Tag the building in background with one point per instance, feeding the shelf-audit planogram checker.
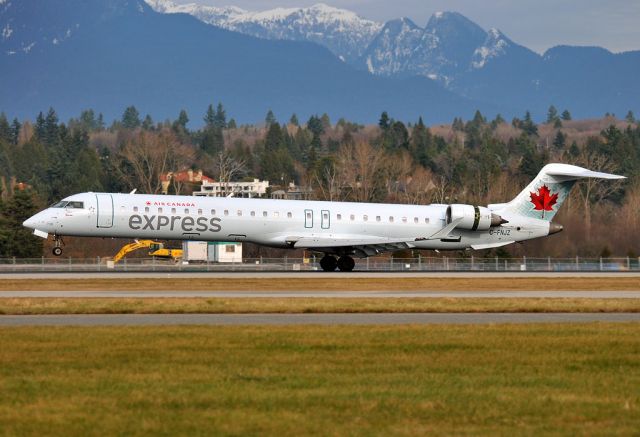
(293, 192)
(255, 188)
(183, 182)
(211, 251)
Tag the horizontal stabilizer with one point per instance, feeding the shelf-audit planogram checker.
(572, 171)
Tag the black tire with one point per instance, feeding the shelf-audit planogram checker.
(57, 251)
(346, 264)
(328, 263)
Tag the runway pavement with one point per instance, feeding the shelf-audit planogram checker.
(324, 294)
(313, 319)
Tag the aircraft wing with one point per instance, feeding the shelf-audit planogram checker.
(361, 246)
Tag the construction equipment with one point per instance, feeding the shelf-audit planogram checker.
(156, 249)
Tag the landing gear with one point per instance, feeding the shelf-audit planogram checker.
(57, 250)
(346, 263)
(328, 263)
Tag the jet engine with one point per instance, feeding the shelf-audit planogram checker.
(474, 218)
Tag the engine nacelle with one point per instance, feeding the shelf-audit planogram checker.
(474, 218)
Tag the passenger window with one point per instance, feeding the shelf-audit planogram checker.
(239, 213)
(226, 212)
(289, 215)
(199, 212)
(391, 219)
(253, 213)
(404, 219)
(365, 217)
(213, 212)
(415, 220)
(339, 216)
(146, 209)
(186, 210)
(173, 210)
(352, 217)
(378, 218)
(159, 210)
(135, 209)
(276, 214)
(426, 220)
(264, 213)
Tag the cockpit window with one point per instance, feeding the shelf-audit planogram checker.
(60, 204)
(76, 205)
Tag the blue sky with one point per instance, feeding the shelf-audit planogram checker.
(539, 24)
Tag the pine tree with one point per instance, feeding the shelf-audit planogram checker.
(560, 140)
(421, 144)
(294, 120)
(557, 124)
(273, 140)
(21, 244)
(100, 122)
(270, 118)
(552, 114)
(15, 131)
(220, 118)
(385, 121)
(131, 118)
(51, 128)
(210, 116)
(5, 128)
(232, 124)
(566, 115)
(181, 123)
(40, 131)
(630, 117)
(528, 125)
(147, 123)
(326, 122)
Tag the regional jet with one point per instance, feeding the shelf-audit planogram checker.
(339, 230)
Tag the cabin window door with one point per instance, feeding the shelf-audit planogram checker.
(308, 218)
(105, 210)
(325, 219)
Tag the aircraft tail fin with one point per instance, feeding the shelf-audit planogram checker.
(544, 196)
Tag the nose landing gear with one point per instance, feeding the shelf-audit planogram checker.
(57, 242)
(344, 263)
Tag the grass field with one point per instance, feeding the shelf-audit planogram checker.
(405, 380)
(23, 306)
(319, 283)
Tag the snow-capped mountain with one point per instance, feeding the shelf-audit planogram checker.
(341, 31)
(449, 46)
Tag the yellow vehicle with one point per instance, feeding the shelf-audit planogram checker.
(156, 249)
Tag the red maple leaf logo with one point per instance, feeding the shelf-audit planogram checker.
(543, 200)
(148, 202)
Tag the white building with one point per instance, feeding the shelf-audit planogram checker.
(256, 188)
(216, 252)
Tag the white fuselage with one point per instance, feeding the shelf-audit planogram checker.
(275, 223)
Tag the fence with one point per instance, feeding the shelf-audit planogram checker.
(421, 264)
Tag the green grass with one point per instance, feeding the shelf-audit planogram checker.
(404, 380)
(149, 305)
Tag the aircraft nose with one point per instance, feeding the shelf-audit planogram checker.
(30, 223)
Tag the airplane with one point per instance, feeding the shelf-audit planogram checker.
(339, 230)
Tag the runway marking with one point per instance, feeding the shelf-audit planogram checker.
(314, 319)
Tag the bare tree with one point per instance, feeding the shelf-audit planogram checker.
(359, 168)
(594, 190)
(418, 187)
(328, 183)
(146, 156)
(227, 168)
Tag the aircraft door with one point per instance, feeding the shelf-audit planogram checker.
(325, 219)
(105, 210)
(308, 218)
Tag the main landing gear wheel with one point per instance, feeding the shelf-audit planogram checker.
(346, 263)
(328, 263)
(57, 251)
